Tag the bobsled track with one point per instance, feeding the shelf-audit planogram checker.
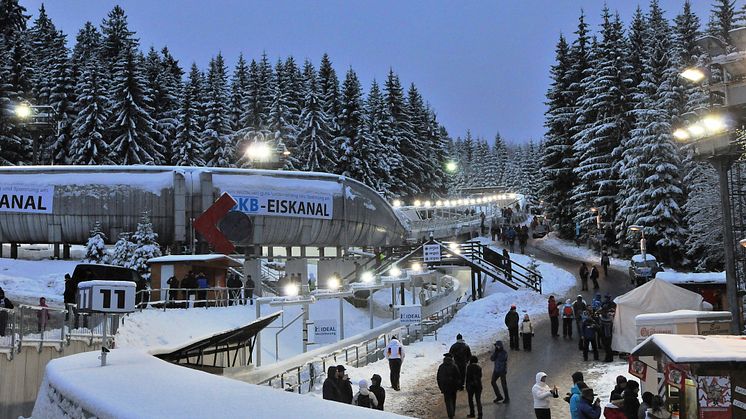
(61, 204)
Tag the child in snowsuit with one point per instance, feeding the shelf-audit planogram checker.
(527, 332)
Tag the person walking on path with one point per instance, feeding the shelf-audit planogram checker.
(461, 355)
(511, 321)
(344, 385)
(605, 262)
(364, 397)
(588, 408)
(474, 386)
(377, 389)
(542, 394)
(395, 355)
(606, 329)
(330, 391)
(448, 383)
(511, 238)
(583, 276)
(527, 332)
(523, 239)
(4, 303)
(590, 331)
(579, 307)
(568, 317)
(500, 371)
(594, 277)
(553, 309)
(42, 316)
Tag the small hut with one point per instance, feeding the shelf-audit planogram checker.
(214, 266)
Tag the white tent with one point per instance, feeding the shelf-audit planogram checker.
(656, 296)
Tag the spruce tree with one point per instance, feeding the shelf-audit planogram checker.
(239, 89)
(121, 254)
(62, 99)
(117, 40)
(358, 159)
(499, 160)
(294, 83)
(379, 128)
(163, 87)
(146, 247)
(87, 47)
(328, 85)
(95, 248)
(187, 148)
(408, 146)
(217, 136)
(280, 116)
(722, 19)
(42, 39)
(314, 152)
(704, 217)
(253, 113)
(89, 128)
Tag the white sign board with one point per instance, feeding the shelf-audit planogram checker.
(410, 314)
(106, 296)
(284, 204)
(326, 331)
(431, 253)
(26, 198)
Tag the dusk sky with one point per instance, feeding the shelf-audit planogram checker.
(483, 65)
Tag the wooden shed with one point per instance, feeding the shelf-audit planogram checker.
(214, 266)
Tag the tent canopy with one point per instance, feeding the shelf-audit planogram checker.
(656, 296)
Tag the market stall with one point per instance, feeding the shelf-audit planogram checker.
(699, 377)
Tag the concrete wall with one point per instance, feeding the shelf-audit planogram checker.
(21, 377)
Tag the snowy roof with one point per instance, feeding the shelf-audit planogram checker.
(195, 258)
(690, 348)
(119, 390)
(692, 277)
(673, 316)
(640, 258)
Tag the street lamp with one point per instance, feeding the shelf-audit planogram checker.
(451, 166)
(394, 271)
(332, 283)
(292, 289)
(23, 110)
(694, 75)
(643, 242)
(367, 277)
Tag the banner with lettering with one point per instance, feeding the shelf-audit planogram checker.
(26, 198)
(284, 203)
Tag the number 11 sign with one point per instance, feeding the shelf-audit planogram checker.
(106, 296)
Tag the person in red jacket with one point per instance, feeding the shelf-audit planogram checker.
(553, 310)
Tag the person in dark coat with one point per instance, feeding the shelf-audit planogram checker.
(330, 391)
(511, 321)
(583, 276)
(523, 239)
(461, 354)
(448, 383)
(507, 265)
(553, 309)
(578, 308)
(605, 263)
(69, 295)
(594, 277)
(234, 286)
(4, 303)
(605, 330)
(474, 386)
(631, 402)
(377, 389)
(588, 408)
(344, 385)
(500, 371)
(249, 288)
(173, 285)
(590, 332)
(621, 384)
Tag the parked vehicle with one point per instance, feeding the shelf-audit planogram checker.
(100, 272)
(643, 268)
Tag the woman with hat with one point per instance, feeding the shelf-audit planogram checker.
(588, 408)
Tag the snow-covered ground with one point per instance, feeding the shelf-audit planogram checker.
(137, 385)
(553, 244)
(478, 322)
(27, 280)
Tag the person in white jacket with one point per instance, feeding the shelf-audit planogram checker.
(395, 355)
(364, 397)
(542, 395)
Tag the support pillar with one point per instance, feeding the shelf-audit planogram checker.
(14, 250)
(258, 340)
(341, 318)
(401, 291)
(56, 250)
(66, 251)
(473, 284)
(306, 317)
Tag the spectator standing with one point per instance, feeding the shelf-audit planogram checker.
(344, 385)
(461, 355)
(330, 391)
(249, 288)
(606, 329)
(42, 316)
(567, 319)
(474, 386)
(234, 288)
(553, 309)
(657, 409)
(605, 262)
(594, 277)
(590, 332)
(583, 276)
(647, 400)
(578, 308)
(588, 408)
(377, 389)
(542, 393)
(511, 238)
(190, 283)
(448, 383)
(507, 265)
(494, 230)
(4, 303)
(631, 402)
(527, 332)
(500, 371)
(364, 397)
(618, 392)
(576, 393)
(523, 239)
(173, 285)
(202, 286)
(69, 296)
(395, 355)
(511, 321)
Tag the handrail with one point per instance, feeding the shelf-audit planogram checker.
(531, 278)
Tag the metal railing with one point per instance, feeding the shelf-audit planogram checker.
(518, 273)
(192, 297)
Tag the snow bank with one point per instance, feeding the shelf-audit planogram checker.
(692, 277)
(137, 385)
(552, 244)
(602, 378)
(25, 280)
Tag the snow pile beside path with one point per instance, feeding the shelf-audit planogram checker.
(552, 244)
(479, 322)
(26, 280)
(602, 378)
(692, 277)
(137, 385)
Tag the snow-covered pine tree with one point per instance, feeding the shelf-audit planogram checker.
(532, 172)
(314, 152)
(359, 159)
(329, 98)
(722, 19)
(124, 248)
(131, 132)
(217, 136)
(499, 160)
(42, 37)
(408, 146)
(163, 90)
(261, 79)
(651, 185)
(239, 87)
(427, 141)
(89, 127)
(704, 217)
(379, 129)
(557, 154)
(117, 39)
(280, 117)
(87, 47)
(294, 82)
(62, 99)
(146, 247)
(438, 139)
(253, 113)
(95, 248)
(188, 150)
(480, 166)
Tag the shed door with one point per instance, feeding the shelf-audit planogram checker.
(167, 271)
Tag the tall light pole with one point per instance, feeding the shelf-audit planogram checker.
(39, 120)
(643, 242)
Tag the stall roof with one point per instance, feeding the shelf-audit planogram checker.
(692, 277)
(196, 258)
(692, 348)
(686, 315)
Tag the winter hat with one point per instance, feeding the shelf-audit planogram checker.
(340, 368)
(512, 307)
(363, 385)
(577, 376)
(447, 355)
(459, 337)
(588, 393)
(375, 379)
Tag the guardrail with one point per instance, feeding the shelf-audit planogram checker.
(192, 297)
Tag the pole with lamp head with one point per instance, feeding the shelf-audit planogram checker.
(643, 242)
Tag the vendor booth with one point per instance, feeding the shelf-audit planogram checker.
(655, 296)
(710, 285)
(699, 377)
(214, 266)
(683, 322)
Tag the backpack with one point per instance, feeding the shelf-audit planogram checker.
(567, 311)
(363, 401)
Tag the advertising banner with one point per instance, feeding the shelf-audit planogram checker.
(410, 314)
(431, 253)
(714, 397)
(326, 331)
(284, 204)
(637, 368)
(26, 198)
